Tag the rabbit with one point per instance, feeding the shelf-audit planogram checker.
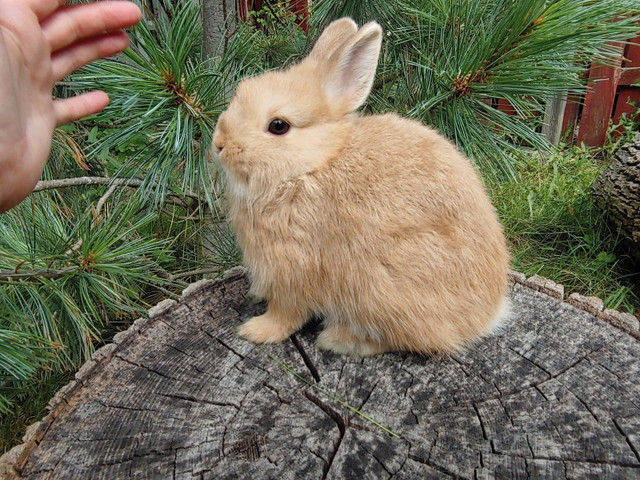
(375, 223)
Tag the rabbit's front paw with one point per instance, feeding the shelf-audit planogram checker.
(267, 328)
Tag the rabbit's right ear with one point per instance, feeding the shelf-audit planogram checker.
(348, 74)
(333, 37)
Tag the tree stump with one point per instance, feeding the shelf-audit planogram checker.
(617, 191)
(180, 396)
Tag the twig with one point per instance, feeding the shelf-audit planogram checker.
(75, 248)
(202, 271)
(51, 274)
(173, 215)
(110, 181)
(104, 198)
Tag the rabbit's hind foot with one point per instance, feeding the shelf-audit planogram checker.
(339, 339)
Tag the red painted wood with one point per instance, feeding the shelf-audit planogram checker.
(505, 107)
(598, 103)
(301, 9)
(631, 65)
(626, 95)
(244, 8)
(633, 53)
(571, 112)
(629, 76)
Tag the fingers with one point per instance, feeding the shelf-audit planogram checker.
(71, 109)
(44, 8)
(65, 61)
(74, 23)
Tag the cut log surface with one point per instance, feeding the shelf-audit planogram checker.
(556, 394)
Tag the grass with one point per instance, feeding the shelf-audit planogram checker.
(555, 230)
(31, 409)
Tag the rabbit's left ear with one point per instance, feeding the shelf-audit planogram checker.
(351, 70)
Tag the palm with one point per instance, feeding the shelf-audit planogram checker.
(40, 44)
(27, 79)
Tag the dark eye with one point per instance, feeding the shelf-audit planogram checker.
(278, 127)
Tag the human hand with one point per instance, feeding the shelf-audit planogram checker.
(41, 42)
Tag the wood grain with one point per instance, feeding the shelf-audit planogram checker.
(617, 192)
(554, 395)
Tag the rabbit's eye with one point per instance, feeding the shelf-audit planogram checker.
(278, 127)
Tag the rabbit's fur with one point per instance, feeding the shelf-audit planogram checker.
(376, 223)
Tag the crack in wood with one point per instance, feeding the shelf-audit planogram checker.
(132, 409)
(570, 460)
(159, 320)
(627, 439)
(146, 367)
(224, 344)
(173, 347)
(375, 457)
(192, 399)
(369, 393)
(306, 359)
(276, 392)
(340, 422)
(435, 466)
(484, 431)
(527, 359)
(249, 448)
(585, 405)
(404, 460)
(526, 437)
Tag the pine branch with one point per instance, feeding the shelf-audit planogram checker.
(202, 271)
(110, 181)
(48, 273)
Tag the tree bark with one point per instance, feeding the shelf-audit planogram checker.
(218, 20)
(617, 191)
(179, 395)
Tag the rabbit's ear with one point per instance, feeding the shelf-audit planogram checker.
(351, 69)
(333, 37)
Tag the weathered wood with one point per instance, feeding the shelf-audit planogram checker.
(554, 119)
(617, 191)
(555, 395)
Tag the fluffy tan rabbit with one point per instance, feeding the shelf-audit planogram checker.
(376, 223)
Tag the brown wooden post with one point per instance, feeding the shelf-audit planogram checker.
(629, 76)
(301, 9)
(570, 119)
(599, 101)
(505, 107)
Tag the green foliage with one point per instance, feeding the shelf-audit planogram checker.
(447, 62)
(64, 273)
(555, 230)
(164, 102)
(34, 396)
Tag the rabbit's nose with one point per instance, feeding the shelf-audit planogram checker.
(218, 142)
